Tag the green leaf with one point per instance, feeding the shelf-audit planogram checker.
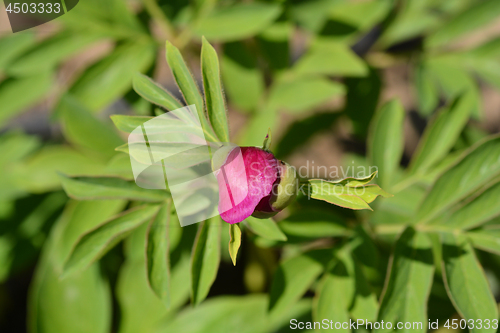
(370, 192)
(344, 196)
(303, 93)
(152, 92)
(238, 21)
(19, 94)
(15, 146)
(344, 291)
(334, 296)
(331, 58)
(484, 61)
(218, 315)
(13, 45)
(476, 169)
(40, 173)
(157, 254)
(360, 15)
(83, 129)
(114, 19)
(128, 123)
(214, 98)
(409, 282)
(85, 217)
(46, 55)
(452, 77)
(187, 84)
(472, 18)
(293, 278)
(243, 80)
(62, 306)
(354, 182)
(466, 283)
(441, 134)
(110, 78)
(94, 244)
(487, 239)
(265, 228)
(310, 223)
(386, 141)
(105, 188)
(133, 287)
(56, 305)
(427, 90)
(160, 125)
(274, 44)
(234, 241)
(205, 259)
(258, 126)
(312, 15)
(478, 211)
(399, 210)
(365, 305)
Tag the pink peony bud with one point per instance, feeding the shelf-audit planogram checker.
(249, 184)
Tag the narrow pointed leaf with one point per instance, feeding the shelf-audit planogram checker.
(303, 93)
(243, 79)
(486, 239)
(441, 134)
(293, 278)
(214, 97)
(157, 254)
(386, 141)
(476, 169)
(409, 282)
(480, 210)
(365, 304)
(328, 56)
(478, 15)
(128, 123)
(105, 188)
(93, 245)
(339, 195)
(265, 228)
(205, 259)
(370, 192)
(111, 77)
(187, 84)
(234, 241)
(238, 21)
(334, 296)
(19, 94)
(82, 128)
(152, 92)
(466, 283)
(354, 182)
(313, 223)
(56, 305)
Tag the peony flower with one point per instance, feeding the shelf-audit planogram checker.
(252, 182)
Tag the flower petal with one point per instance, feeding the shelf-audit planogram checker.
(246, 177)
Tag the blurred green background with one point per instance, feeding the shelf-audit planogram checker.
(314, 71)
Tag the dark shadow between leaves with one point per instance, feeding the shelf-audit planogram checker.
(301, 131)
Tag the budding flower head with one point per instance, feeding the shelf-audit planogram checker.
(252, 182)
